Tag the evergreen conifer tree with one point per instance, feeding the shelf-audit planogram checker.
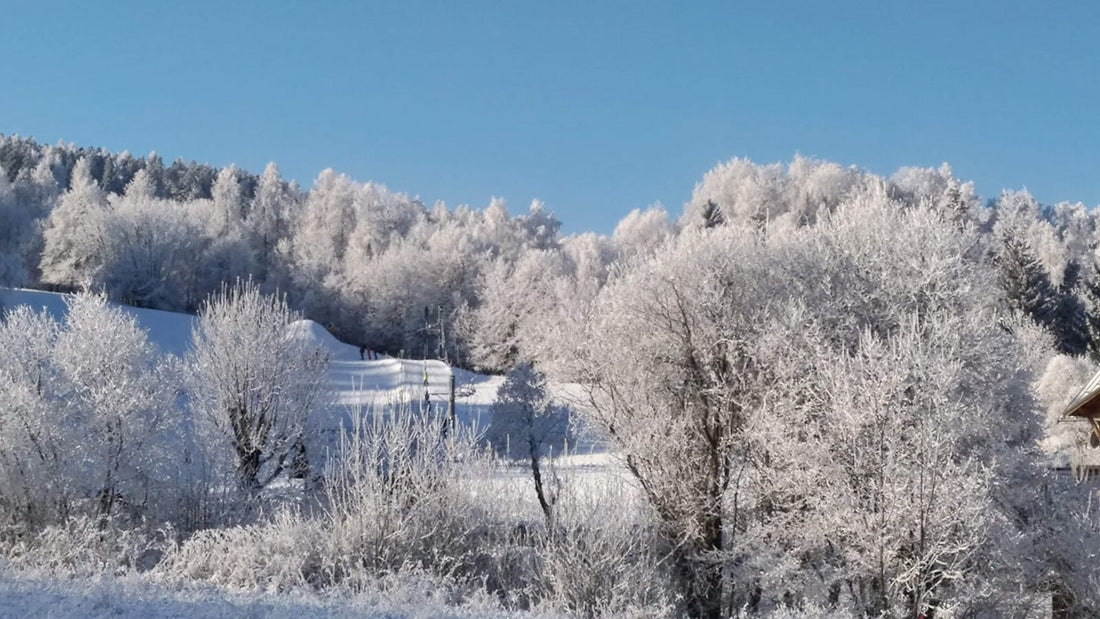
(1025, 284)
(1070, 330)
(1089, 291)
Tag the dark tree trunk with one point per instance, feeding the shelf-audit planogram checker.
(536, 472)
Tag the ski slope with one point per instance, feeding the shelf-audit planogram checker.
(365, 384)
(358, 384)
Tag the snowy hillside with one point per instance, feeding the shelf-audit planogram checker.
(364, 383)
(356, 382)
(170, 331)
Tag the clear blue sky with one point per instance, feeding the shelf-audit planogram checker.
(594, 107)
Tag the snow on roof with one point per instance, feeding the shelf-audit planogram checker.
(1084, 398)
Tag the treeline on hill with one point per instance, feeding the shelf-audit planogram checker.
(383, 269)
(828, 386)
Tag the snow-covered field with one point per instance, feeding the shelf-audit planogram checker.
(358, 385)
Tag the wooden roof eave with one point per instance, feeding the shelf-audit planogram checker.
(1088, 408)
(1086, 404)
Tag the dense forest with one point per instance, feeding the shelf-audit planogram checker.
(829, 387)
(462, 284)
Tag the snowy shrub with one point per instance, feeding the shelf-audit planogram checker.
(397, 507)
(280, 555)
(805, 611)
(602, 555)
(397, 497)
(91, 547)
(86, 415)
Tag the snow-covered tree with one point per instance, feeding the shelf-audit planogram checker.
(76, 233)
(253, 382)
(758, 382)
(37, 189)
(32, 468)
(1069, 318)
(85, 414)
(641, 233)
(15, 228)
(938, 188)
(526, 424)
(591, 256)
(514, 317)
(115, 388)
(320, 237)
(227, 254)
(151, 250)
(268, 219)
(381, 219)
(143, 186)
(228, 203)
(1089, 295)
(742, 192)
(1026, 287)
(540, 226)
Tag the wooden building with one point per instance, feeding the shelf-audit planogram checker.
(1087, 406)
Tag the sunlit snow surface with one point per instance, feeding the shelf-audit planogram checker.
(170, 331)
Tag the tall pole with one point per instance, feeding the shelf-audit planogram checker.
(452, 400)
(442, 336)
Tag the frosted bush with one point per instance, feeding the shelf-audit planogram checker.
(397, 494)
(602, 555)
(91, 547)
(283, 554)
(85, 416)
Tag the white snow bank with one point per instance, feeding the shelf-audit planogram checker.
(316, 335)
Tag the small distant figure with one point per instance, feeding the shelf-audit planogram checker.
(362, 352)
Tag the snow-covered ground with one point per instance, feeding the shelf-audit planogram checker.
(170, 331)
(32, 595)
(357, 383)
